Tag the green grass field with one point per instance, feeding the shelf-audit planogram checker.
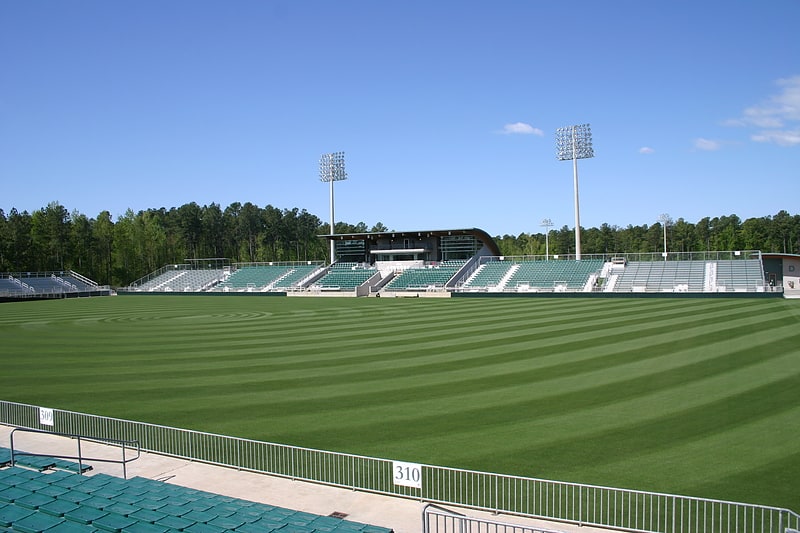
(698, 397)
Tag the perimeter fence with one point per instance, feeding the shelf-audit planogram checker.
(608, 507)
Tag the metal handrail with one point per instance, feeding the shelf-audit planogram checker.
(449, 521)
(124, 444)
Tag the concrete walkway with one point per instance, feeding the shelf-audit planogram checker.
(401, 515)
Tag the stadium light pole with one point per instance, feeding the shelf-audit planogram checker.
(331, 168)
(575, 142)
(665, 220)
(547, 224)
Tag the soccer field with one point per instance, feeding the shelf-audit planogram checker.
(689, 396)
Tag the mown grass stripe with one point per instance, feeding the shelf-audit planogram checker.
(519, 385)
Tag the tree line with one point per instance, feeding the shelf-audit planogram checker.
(779, 233)
(118, 252)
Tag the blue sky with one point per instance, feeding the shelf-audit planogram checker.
(446, 111)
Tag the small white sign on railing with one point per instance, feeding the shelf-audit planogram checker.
(45, 416)
(407, 474)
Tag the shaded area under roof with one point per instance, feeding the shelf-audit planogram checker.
(479, 234)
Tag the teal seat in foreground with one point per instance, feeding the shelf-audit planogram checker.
(40, 463)
(32, 501)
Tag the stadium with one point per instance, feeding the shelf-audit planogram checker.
(525, 387)
(467, 262)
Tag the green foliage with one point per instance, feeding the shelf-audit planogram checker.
(694, 397)
(119, 252)
(779, 233)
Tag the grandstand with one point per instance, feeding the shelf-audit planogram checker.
(345, 276)
(264, 277)
(190, 277)
(692, 276)
(467, 261)
(558, 276)
(248, 277)
(658, 276)
(427, 278)
(44, 285)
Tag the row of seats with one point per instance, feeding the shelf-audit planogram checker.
(344, 279)
(43, 284)
(423, 278)
(489, 275)
(183, 281)
(295, 277)
(742, 274)
(572, 275)
(40, 463)
(59, 501)
(253, 277)
(662, 276)
(689, 276)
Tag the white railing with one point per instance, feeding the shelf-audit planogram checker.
(609, 507)
(439, 520)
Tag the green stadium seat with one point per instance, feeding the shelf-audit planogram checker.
(174, 522)
(10, 513)
(113, 522)
(85, 515)
(32, 461)
(12, 494)
(33, 500)
(145, 527)
(71, 527)
(148, 515)
(58, 507)
(67, 502)
(36, 522)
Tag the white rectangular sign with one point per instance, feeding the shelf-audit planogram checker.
(45, 416)
(407, 474)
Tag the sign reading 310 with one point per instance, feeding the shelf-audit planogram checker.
(407, 474)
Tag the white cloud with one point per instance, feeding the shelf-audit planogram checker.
(707, 145)
(521, 128)
(646, 150)
(779, 137)
(777, 117)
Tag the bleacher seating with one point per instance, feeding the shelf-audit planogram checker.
(554, 274)
(489, 275)
(661, 276)
(253, 278)
(740, 275)
(32, 501)
(691, 276)
(494, 274)
(434, 276)
(44, 283)
(294, 277)
(344, 276)
(9, 287)
(183, 281)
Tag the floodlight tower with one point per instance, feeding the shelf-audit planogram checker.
(575, 142)
(331, 168)
(547, 224)
(665, 220)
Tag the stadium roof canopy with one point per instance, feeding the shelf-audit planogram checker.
(478, 234)
(781, 255)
